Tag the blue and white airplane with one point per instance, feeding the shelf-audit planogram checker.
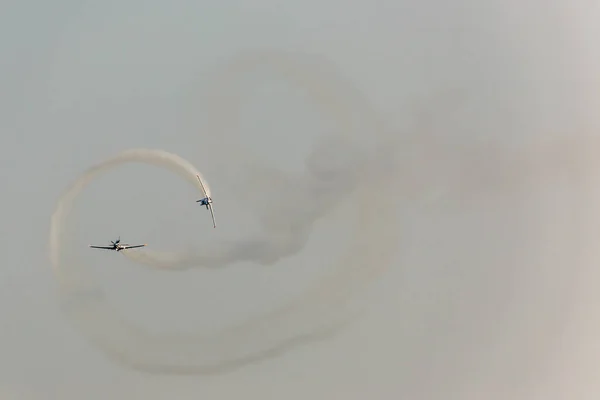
(206, 201)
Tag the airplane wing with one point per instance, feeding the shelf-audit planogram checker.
(102, 247)
(133, 247)
(202, 185)
(212, 214)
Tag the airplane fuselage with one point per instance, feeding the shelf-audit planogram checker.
(118, 246)
(205, 201)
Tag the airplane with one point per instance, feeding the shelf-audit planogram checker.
(118, 246)
(206, 201)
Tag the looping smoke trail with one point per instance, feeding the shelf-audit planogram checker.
(299, 321)
(154, 157)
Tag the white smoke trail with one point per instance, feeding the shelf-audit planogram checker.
(138, 349)
(372, 173)
(154, 157)
(318, 310)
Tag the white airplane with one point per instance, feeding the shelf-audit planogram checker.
(118, 246)
(206, 201)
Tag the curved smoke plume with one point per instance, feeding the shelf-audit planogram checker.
(308, 317)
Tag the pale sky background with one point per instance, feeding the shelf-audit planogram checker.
(492, 293)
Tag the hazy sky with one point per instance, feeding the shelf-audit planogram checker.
(492, 290)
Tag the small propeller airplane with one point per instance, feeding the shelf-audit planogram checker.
(206, 201)
(118, 246)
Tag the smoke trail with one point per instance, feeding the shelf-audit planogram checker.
(327, 182)
(287, 226)
(368, 175)
(180, 353)
(296, 322)
(154, 157)
(428, 143)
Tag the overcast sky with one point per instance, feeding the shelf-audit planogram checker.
(488, 184)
